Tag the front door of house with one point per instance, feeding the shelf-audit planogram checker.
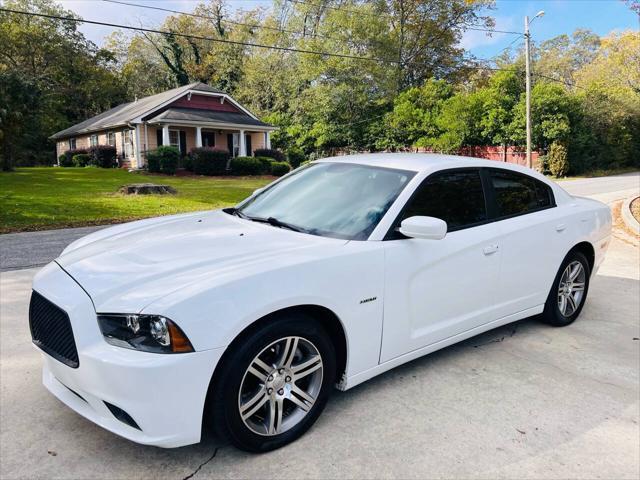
(208, 139)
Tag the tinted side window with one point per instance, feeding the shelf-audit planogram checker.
(455, 197)
(517, 194)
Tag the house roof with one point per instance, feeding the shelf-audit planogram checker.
(128, 112)
(208, 116)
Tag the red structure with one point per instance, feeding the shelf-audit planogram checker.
(508, 154)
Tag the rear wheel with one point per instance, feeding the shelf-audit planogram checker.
(569, 291)
(274, 384)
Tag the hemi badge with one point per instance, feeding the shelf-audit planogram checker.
(367, 300)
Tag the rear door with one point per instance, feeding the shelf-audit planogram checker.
(435, 289)
(532, 230)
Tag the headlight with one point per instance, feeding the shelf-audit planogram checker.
(151, 333)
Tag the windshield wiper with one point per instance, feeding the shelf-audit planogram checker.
(236, 212)
(271, 221)
(277, 223)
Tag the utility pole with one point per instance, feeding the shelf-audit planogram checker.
(527, 59)
(527, 63)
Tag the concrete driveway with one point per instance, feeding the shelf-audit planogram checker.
(522, 401)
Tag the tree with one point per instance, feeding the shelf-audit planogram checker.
(501, 95)
(18, 116)
(413, 120)
(72, 77)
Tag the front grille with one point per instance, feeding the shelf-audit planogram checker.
(51, 330)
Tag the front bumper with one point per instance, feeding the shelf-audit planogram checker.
(164, 394)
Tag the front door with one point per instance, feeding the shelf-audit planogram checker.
(435, 289)
(208, 139)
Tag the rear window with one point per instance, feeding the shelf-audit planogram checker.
(517, 194)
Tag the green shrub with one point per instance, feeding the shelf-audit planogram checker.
(69, 154)
(246, 166)
(279, 169)
(266, 165)
(209, 161)
(102, 156)
(557, 160)
(65, 161)
(295, 156)
(543, 164)
(187, 163)
(271, 153)
(153, 162)
(163, 160)
(81, 159)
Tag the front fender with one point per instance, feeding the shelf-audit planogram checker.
(212, 315)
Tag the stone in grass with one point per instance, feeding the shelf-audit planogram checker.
(147, 189)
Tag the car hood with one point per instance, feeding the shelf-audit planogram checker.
(125, 268)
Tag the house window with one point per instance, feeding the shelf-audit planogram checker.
(72, 144)
(127, 143)
(174, 138)
(93, 141)
(111, 139)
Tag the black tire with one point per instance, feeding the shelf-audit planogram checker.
(222, 413)
(552, 314)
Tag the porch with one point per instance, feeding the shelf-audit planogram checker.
(239, 142)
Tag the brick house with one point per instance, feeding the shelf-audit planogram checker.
(186, 117)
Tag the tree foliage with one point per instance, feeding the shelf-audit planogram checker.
(410, 86)
(51, 77)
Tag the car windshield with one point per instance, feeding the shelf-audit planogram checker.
(340, 200)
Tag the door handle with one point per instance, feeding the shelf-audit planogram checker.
(560, 227)
(489, 249)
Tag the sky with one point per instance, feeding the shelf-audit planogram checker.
(561, 16)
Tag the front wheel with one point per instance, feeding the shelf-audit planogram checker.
(569, 291)
(273, 384)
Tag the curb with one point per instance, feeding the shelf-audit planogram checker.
(631, 223)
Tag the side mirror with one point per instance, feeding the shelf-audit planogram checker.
(429, 228)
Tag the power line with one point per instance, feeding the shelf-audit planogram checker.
(227, 41)
(198, 37)
(491, 30)
(209, 17)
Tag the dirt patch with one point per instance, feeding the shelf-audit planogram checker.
(635, 209)
(620, 229)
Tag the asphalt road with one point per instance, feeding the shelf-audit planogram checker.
(32, 249)
(522, 401)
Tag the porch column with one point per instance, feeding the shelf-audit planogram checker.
(165, 135)
(139, 163)
(267, 139)
(243, 144)
(198, 137)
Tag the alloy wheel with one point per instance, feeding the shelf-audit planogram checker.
(571, 288)
(280, 386)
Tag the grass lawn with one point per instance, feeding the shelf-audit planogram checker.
(43, 198)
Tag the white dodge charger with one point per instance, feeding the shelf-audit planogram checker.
(244, 319)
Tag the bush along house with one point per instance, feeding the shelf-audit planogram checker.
(187, 117)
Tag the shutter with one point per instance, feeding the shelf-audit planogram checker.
(230, 143)
(248, 145)
(159, 136)
(183, 143)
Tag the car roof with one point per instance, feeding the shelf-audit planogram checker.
(432, 162)
(423, 162)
